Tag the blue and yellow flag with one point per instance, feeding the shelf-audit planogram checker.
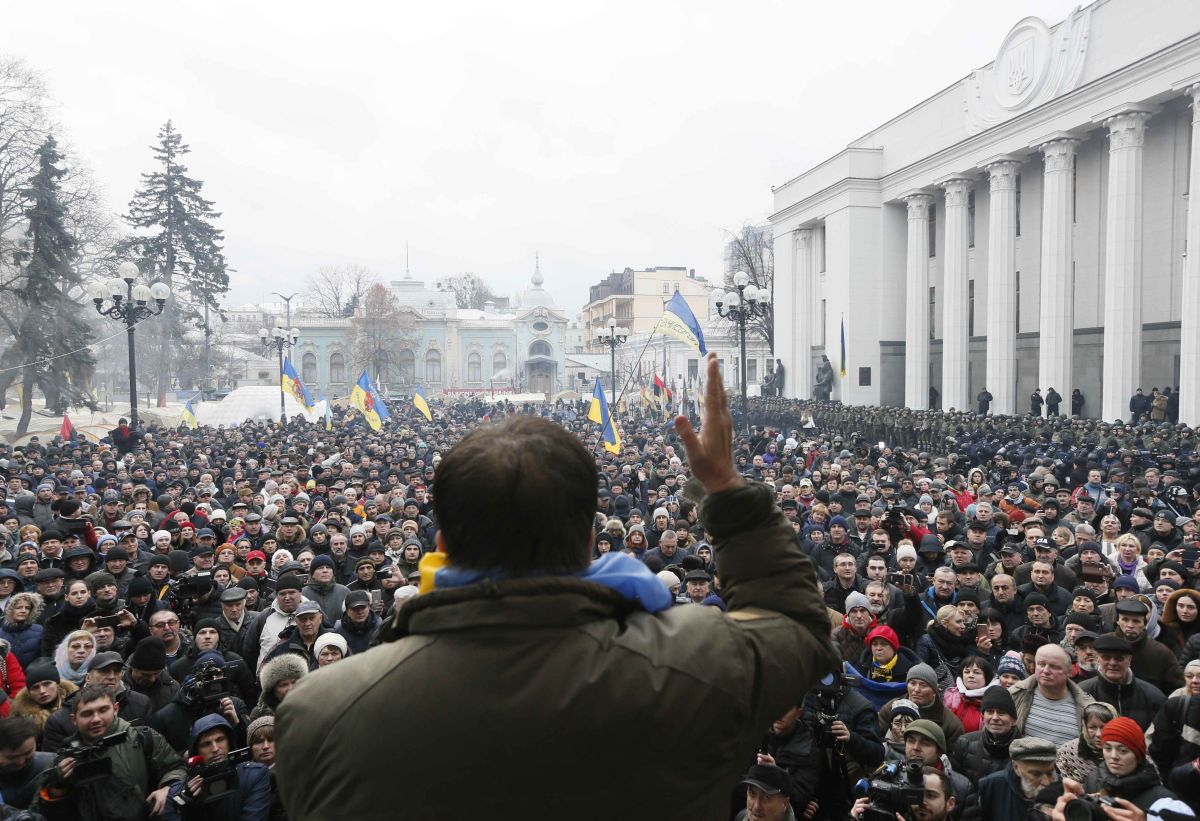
(364, 398)
(843, 346)
(420, 404)
(679, 322)
(188, 417)
(294, 387)
(328, 413)
(598, 413)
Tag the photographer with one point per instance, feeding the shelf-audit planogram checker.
(215, 788)
(846, 743)
(104, 670)
(132, 785)
(206, 691)
(939, 803)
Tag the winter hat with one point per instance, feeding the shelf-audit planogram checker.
(257, 724)
(668, 578)
(886, 633)
(207, 656)
(1036, 599)
(1126, 583)
(288, 581)
(100, 579)
(923, 672)
(39, 671)
(998, 698)
(1011, 663)
(925, 727)
(968, 594)
(1171, 583)
(930, 544)
(327, 639)
(1125, 731)
(203, 623)
(906, 551)
(150, 654)
(140, 586)
(287, 666)
(857, 599)
(905, 707)
(320, 561)
(838, 521)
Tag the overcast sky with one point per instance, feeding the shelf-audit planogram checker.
(602, 135)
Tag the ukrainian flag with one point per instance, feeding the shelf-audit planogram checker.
(420, 404)
(679, 322)
(294, 387)
(188, 417)
(598, 413)
(368, 403)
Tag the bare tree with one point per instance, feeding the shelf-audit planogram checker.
(469, 290)
(752, 249)
(338, 291)
(379, 333)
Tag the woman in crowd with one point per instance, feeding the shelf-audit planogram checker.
(946, 644)
(277, 678)
(964, 697)
(330, 648)
(72, 655)
(44, 693)
(78, 604)
(1080, 757)
(1180, 619)
(21, 627)
(1125, 774)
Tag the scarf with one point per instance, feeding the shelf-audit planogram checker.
(617, 571)
(1132, 785)
(883, 672)
(976, 693)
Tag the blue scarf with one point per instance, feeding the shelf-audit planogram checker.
(616, 571)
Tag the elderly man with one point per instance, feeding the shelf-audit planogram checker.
(921, 687)
(1116, 684)
(986, 750)
(1008, 795)
(1153, 662)
(850, 637)
(1050, 705)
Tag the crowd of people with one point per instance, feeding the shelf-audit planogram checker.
(1012, 605)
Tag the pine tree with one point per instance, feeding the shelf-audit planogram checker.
(178, 244)
(50, 331)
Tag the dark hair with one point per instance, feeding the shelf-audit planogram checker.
(943, 779)
(989, 671)
(15, 731)
(90, 693)
(518, 495)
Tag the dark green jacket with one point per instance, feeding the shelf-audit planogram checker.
(518, 697)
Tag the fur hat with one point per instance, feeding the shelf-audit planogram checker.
(289, 665)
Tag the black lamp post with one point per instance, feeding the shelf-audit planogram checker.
(130, 303)
(279, 339)
(740, 306)
(612, 336)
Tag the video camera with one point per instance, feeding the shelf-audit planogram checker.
(90, 762)
(193, 586)
(220, 777)
(894, 788)
(1087, 807)
(829, 694)
(208, 686)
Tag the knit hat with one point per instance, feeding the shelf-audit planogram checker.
(140, 586)
(150, 654)
(667, 578)
(998, 698)
(925, 727)
(857, 599)
(886, 633)
(100, 579)
(1125, 731)
(905, 707)
(838, 521)
(1011, 663)
(906, 551)
(969, 594)
(39, 671)
(930, 544)
(1124, 582)
(210, 622)
(257, 724)
(288, 581)
(1171, 583)
(320, 561)
(923, 672)
(1036, 599)
(327, 639)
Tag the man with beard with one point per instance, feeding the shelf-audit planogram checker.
(985, 751)
(1009, 795)
(939, 803)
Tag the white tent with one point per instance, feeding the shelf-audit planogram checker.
(253, 402)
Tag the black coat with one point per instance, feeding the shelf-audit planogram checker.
(133, 707)
(1134, 699)
(977, 754)
(174, 722)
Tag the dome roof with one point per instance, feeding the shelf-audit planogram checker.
(536, 296)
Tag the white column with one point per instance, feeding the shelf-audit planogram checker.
(1189, 330)
(916, 319)
(1002, 275)
(1057, 321)
(802, 351)
(1123, 263)
(816, 250)
(786, 320)
(956, 341)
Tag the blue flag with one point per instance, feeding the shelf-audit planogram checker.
(679, 322)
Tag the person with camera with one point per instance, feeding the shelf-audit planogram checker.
(1126, 786)
(103, 670)
(208, 638)
(222, 784)
(1010, 794)
(204, 692)
(261, 639)
(924, 740)
(938, 804)
(108, 768)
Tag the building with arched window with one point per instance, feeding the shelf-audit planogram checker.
(501, 348)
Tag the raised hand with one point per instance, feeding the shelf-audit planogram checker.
(710, 453)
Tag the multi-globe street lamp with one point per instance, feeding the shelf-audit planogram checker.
(130, 303)
(613, 337)
(279, 339)
(746, 303)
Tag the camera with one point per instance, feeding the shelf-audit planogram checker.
(895, 788)
(1087, 807)
(220, 777)
(194, 586)
(829, 694)
(208, 686)
(900, 579)
(385, 573)
(90, 762)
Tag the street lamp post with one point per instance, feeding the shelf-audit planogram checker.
(130, 303)
(279, 339)
(612, 337)
(740, 306)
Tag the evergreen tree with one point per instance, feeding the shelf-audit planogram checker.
(50, 331)
(178, 244)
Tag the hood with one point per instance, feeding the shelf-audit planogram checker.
(36, 603)
(206, 723)
(24, 503)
